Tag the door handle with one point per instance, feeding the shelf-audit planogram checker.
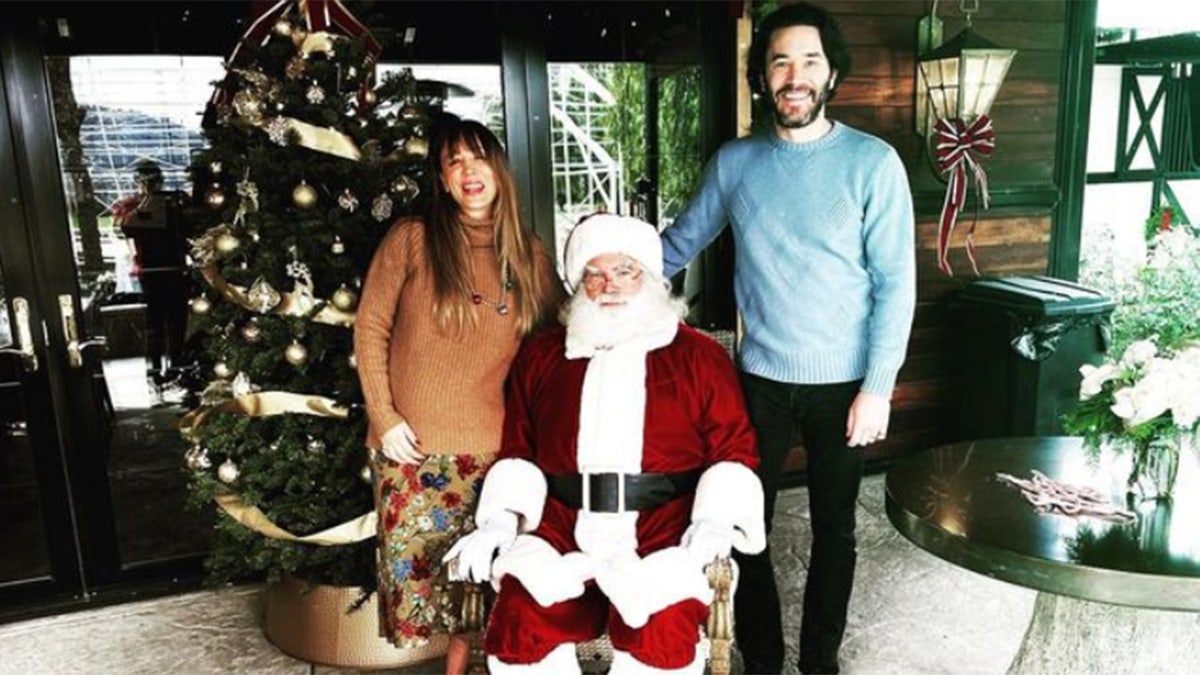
(20, 307)
(75, 348)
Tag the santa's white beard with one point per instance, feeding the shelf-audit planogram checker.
(599, 326)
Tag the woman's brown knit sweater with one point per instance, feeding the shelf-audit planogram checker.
(448, 386)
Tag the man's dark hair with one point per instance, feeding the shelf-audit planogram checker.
(799, 14)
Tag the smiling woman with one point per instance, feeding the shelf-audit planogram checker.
(445, 303)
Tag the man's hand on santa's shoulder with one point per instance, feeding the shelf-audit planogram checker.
(706, 541)
(470, 559)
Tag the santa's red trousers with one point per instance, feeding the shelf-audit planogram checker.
(522, 631)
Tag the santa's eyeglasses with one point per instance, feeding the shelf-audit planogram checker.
(623, 275)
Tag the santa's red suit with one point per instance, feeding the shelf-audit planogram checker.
(668, 402)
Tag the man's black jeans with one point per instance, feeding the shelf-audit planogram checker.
(778, 411)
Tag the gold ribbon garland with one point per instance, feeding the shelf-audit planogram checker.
(349, 532)
(321, 139)
(264, 404)
(289, 305)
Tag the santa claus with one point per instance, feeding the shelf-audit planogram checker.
(626, 466)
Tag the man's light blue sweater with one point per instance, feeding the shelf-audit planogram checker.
(825, 271)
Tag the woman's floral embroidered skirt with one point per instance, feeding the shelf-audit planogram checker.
(423, 509)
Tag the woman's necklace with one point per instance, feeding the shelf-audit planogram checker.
(506, 285)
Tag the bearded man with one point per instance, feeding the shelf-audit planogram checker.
(626, 466)
(825, 278)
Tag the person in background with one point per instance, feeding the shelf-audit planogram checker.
(825, 282)
(627, 465)
(150, 223)
(445, 304)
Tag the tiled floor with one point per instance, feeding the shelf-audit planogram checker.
(910, 613)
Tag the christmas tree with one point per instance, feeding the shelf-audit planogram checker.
(307, 165)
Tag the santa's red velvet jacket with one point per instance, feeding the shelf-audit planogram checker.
(694, 419)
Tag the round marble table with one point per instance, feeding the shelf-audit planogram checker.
(1115, 597)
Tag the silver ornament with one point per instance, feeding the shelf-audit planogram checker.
(241, 386)
(338, 247)
(406, 188)
(365, 474)
(381, 208)
(262, 296)
(315, 94)
(279, 131)
(221, 370)
(348, 201)
(316, 445)
(352, 360)
(196, 458)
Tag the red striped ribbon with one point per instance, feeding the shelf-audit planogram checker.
(958, 146)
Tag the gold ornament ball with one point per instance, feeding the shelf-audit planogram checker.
(221, 370)
(338, 247)
(304, 196)
(228, 471)
(215, 197)
(227, 243)
(201, 305)
(344, 299)
(296, 354)
(251, 332)
(283, 28)
(416, 147)
(369, 97)
(352, 360)
(365, 473)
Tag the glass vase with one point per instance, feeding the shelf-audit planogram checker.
(1155, 467)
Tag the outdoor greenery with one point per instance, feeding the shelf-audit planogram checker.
(678, 153)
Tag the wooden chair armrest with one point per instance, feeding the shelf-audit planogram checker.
(720, 616)
(473, 616)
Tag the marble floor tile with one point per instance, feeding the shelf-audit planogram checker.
(206, 632)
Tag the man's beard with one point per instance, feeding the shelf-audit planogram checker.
(801, 119)
(591, 323)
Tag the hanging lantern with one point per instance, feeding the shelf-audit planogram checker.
(957, 83)
(962, 77)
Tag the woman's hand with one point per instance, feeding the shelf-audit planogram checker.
(400, 445)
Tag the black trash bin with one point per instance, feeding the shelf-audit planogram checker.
(1021, 341)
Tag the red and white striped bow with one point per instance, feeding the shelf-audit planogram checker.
(958, 146)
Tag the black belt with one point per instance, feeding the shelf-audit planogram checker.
(643, 491)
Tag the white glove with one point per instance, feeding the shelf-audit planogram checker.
(560, 580)
(706, 541)
(400, 445)
(476, 550)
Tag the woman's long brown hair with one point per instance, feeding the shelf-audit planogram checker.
(446, 244)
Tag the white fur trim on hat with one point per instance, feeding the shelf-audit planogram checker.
(607, 233)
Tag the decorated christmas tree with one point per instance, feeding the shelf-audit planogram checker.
(307, 164)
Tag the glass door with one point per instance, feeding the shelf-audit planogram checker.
(39, 552)
(90, 436)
